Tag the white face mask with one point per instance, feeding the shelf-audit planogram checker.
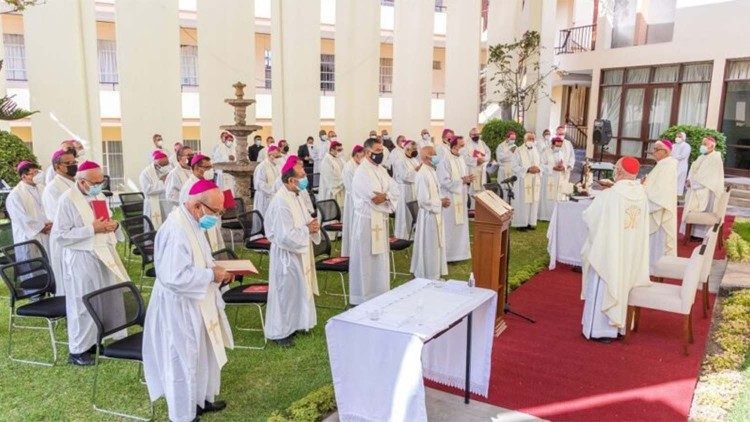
(159, 143)
(39, 178)
(208, 174)
(679, 140)
(324, 138)
(556, 149)
(529, 144)
(511, 141)
(80, 153)
(547, 137)
(425, 136)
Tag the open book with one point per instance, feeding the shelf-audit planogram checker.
(238, 266)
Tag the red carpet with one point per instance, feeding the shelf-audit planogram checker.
(549, 370)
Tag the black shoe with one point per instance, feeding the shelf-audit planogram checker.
(285, 342)
(92, 350)
(522, 229)
(208, 407)
(605, 340)
(530, 227)
(81, 359)
(695, 239)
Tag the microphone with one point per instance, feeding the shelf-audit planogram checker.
(511, 179)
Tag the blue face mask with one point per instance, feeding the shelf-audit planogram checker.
(435, 160)
(704, 149)
(302, 183)
(207, 222)
(95, 190)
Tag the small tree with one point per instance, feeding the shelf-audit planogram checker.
(495, 131)
(519, 78)
(695, 135)
(12, 152)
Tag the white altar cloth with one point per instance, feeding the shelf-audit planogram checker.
(567, 233)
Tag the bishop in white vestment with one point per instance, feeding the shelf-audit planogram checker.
(428, 259)
(349, 168)
(26, 212)
(662, 202)
(71, 146)
(615, 255)
(292, 280)
(375, 196)
(504, 154)
(331, 180)
(527, 167)
(476, 155)
(681, 152)
(705, 184)
(186, 330)
(154, 189)
(225, 152)
(442, 148)
(265, 177)
(555, 178)
(178, 176)
(89, 258)
(320, 150)
(454, 182)
(405, 168)
(202, 169)
(569, 152)
(65, 166)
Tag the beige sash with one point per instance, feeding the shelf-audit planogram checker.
(31, 205)
(337, 195)
(272, 173)
(477, 171)
(102, 241)
(153, 200)
(378, 220)
(508, 163)
(208, 306)
(301, 218)
(555, 181)
(458, 204)
(434, 193)
(410, 162)
(530, 181)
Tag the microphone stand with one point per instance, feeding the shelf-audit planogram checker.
(506, 306)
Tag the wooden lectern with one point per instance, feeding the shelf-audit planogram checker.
(490, 250)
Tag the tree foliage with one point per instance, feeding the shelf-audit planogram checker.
(12, 151)
(695, 135)
(496, 131)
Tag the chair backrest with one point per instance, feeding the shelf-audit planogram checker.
(494, 187)
(252, 224)
(329, 210)
(225, 254)
(691, 277)
(721, 207)
(131, 204)
(413, 207)
(324, 247)
(28, 278)
(144, 242)
(710, 241)
(231, 213)
(315, 180)
(134, 226)
(107, 184)
(115, 308)
(27, 250)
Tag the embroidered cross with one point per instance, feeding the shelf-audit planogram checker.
(631, 215)
(213, 327)
(377, 231)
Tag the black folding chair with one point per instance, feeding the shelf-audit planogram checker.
(315, 183)
(131, 204)
(107, 187)
(237, 297)
(39, 287)
(397, 245)
(229, 220)
(254, 234)
(330, 216)
(29, 249)
(115, 309)
(134, 226)
(144, 244)
(329, 263)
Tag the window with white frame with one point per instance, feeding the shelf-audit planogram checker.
(267, 66)
(14, 61)
(107, 50)
(189, 65)
(386, 3)
(386, 74)
(194, 144)
(327, 70)
(112, 164)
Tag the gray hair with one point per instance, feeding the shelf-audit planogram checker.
(370, 142)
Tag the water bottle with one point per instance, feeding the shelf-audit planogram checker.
(471, 280)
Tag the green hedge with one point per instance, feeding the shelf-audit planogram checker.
(311, 408)
(495, 131)
(695, 135)
(12, 151)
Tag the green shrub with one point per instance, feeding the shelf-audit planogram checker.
(738, 249)
(12, 151)
(495, 131)
(311, 408)
(695, 135)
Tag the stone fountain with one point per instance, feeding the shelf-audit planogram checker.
(241, 168)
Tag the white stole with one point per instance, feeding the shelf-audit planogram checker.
(556, 181)
(210, 303)
(530, 181)
(153, 200)
(432, 184)
(477, 171)
(102, 241)
(458, 199)
(301, 218)
(30, 203)
(378, 220)
(507, 164)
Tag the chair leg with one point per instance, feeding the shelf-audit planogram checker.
(687, 326)
(688, 233)
(691, 338)
(112, 412)
(393, 267)
(49, 328)
(720, 233)
(706, 297)
(261, 329)
(343, 290)
(636, 318)
(628, 321)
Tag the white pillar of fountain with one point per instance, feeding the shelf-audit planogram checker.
(462, 48)
(148, 64)
(357, 70)
(226, 54)
(63, 74)
(412, 66)
(295, 70)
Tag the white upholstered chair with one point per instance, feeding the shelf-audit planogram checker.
(709, 218)
(674, 266)
(669, 297)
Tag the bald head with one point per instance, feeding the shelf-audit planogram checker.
(426, 154)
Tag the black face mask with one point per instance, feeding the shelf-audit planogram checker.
(377, 158)
(285, 149)
(413, 154)
(71, 170)
(475, 138)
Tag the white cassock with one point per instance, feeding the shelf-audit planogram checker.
(221, 154)
(659, 186)
(681, 153)
(215, 237)
(569, 155)
(555, 184)
(331, 181)
(305, 195)
(421, 143)
(429, 259)
(318, 153)
(471, 152)
(455, 217)
(292, 280)
(50, 173)
(173, 161)
(154, 190)
(442, 149)
(615, 256)
(51, 200)
(27, 217)
(264, 179)
(404, 172)
(89, 262)
(348, 175)
(263, 153)
(369, 263)
(389, 160)
(527, 189)
(706, 186)
(186, 330)
(176, 179)
(504, 154)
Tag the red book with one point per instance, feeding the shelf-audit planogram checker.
(256, 288)
(336, 260)
(100, 209)
(229, 201)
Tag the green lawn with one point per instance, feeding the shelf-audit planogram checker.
(254, 382)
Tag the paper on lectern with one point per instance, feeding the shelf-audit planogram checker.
(493, 201)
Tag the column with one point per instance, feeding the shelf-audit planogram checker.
(295, 70)
(412, 66)
(713, 117)
(357, 70)
(148, 64)
(502, 18)
(63, 74)
(546, 62)
(226, 54)
(594, 113)
(4, 125)
(462, 49)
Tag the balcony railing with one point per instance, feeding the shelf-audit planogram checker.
(576, 134)
(576, 39)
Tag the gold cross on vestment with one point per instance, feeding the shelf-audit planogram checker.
(377, 231)
(631, 215)
(213, 327)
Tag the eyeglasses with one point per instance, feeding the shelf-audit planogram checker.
(215, 212)
(93, 183)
